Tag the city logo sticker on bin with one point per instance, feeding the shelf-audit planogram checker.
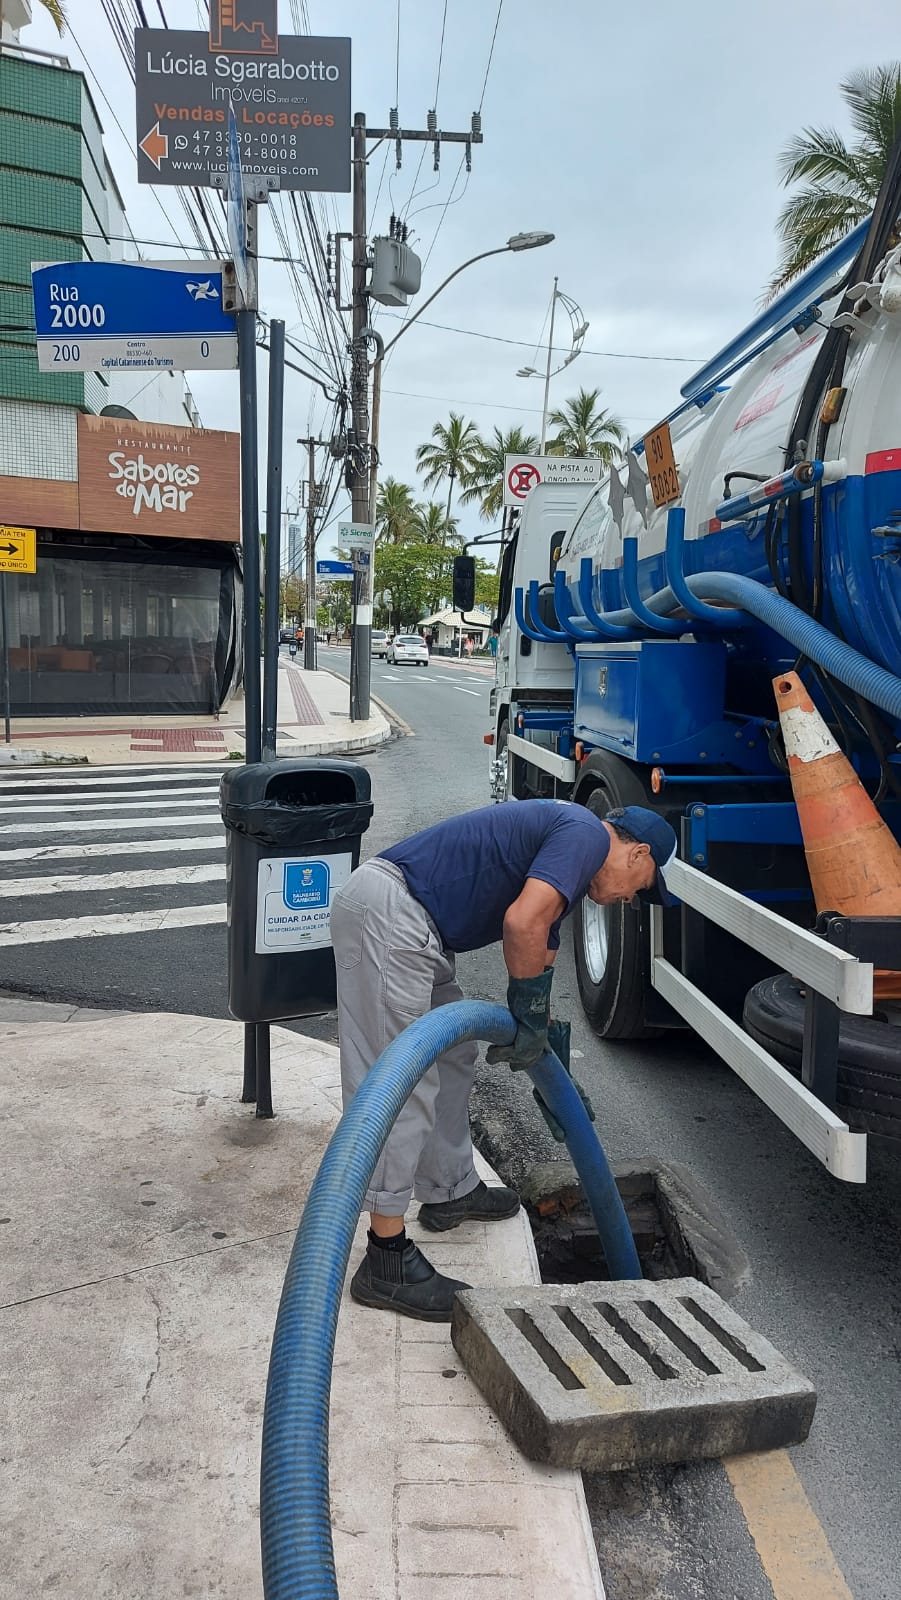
(294, 898)
(306, 884)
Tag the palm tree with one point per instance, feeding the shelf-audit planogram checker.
(431, 525)
(841, 181)
(486, 478)
(452, 456)
(585, 428)
(395, 510)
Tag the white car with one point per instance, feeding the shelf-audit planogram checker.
(378, 643)
(408, 647)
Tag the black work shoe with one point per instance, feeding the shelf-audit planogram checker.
(480, 1205)
(404, 1281)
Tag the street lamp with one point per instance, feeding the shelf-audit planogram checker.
(516, 242)
(578, 330)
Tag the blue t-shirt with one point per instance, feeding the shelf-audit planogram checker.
(469, 870)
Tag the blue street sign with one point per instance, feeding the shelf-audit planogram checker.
(96, 316)
(334, 569)
(236, 209)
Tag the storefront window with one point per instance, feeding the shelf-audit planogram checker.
(112, 636)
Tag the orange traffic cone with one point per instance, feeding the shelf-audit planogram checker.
(852, 857)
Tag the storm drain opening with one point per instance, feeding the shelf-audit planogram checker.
(608, 1376)
(677, 1227)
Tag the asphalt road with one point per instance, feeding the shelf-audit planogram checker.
(823, 1285)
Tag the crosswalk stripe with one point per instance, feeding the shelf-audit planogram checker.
(100, 824)
(108, 803)
(21, 784)
(22, 933)
(82, 883)
(460, 690)
(114, 847)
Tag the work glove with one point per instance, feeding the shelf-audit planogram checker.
(529, 1000)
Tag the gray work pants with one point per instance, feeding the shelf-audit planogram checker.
(391, 969)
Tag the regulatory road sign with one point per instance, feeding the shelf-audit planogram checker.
(18, 549)
(95, 316)
(291, 99)
(522, 473)
(334, 569)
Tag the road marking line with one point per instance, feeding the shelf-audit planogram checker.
(98, 824)
(112, 847)
(83, 883)
(793, 1549)
(20, 933)
(460, 690)
(108, 803)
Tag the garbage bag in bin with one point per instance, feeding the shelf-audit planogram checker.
(293, 831)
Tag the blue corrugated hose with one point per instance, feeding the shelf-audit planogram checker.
(295, 1522)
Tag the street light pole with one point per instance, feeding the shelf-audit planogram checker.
(547, 375)
(518, 242)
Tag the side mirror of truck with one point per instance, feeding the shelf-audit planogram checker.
(464, 583)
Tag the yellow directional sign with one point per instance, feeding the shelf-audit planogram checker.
(18, 549)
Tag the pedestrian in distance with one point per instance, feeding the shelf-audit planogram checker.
(507, 873)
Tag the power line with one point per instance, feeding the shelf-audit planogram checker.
(523, 344)
(485, 405)
(500, 7)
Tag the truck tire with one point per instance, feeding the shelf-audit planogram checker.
(612, 943)
(869, 1054)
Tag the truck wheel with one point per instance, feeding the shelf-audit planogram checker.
(612, 943)
(868, 1092)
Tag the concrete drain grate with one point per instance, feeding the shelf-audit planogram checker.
(609, 1376)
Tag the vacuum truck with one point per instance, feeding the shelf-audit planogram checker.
(746, 549)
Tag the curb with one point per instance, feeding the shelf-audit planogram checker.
(40, 758)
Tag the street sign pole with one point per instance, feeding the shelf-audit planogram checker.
(5, 625)
(273, 532)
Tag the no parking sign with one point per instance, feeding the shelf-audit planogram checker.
(523, 473)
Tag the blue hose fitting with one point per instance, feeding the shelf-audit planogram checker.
(295, 1521)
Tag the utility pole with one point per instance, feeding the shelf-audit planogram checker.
(360, 644)
(361, 460)
(309, 625)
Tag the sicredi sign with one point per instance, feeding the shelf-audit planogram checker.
(148, 478)
(291, 99)
(522, 473)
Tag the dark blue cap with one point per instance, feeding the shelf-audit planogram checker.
(647, 828)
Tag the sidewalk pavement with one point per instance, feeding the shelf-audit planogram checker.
(313, 719)
(148, 1221)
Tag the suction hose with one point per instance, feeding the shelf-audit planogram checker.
(295, 1523)
(834, 655)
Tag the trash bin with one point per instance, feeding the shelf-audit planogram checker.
(293, 831)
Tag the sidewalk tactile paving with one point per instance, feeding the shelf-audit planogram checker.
(307, 710)
(610, 1376)
(167, 740)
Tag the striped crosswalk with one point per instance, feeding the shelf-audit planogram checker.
(106, 853)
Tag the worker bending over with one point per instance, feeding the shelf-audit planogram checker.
(506, 872)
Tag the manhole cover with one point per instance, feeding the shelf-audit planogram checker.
(609, 1376)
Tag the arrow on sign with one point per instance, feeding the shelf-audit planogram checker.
(155, 145)
(10, 549)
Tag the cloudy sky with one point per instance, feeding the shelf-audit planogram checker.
(646, 138)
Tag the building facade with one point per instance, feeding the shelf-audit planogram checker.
(136, 599)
